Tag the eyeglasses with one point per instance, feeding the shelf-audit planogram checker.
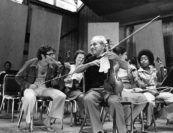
(50, 54)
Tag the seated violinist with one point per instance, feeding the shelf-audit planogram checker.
(34, 77)
(147, 79)
(139, 100)
(73, 80)
(96, 69)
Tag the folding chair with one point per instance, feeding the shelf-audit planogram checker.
(39, 99)
(124, 103)
(169, 109)
(73, 111)
(43, 100)
(74, 106)
(102, 117)
(153, 121)
(11, 91)
(130, 104)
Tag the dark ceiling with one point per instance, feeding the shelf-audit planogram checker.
(130, 10)
(103, 7)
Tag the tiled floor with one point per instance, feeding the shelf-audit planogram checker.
(6, 126)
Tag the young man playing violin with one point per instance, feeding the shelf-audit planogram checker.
(94, 85)
(33, 77)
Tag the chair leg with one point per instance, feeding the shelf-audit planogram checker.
(83, 123)
(31, 125)
(154, 122)
(142, 121)
(71, 114)
(12, 118)
(114, 125)
(62, 124)
(74, 112)
(20, 118)
(2, 104)
(36, 108)
(41, 111)
(19, 105)
(131, 107)
(8, 105)
(103, 116)
(49, 107)
(74, 106)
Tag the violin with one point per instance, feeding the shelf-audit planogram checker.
(113, 84)
(63, 71)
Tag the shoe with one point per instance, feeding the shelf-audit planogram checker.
(135, 130)
(47, 122)
(84, 131)
(47, 125)
(102, 132)
(53, 121)
(49, 129)
(29, 127)
(146, 127)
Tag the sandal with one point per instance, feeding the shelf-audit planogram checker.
(135, 130)
(49, 129)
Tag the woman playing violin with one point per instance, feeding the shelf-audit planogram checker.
(73, 80)
(147, 79)
(138, 99)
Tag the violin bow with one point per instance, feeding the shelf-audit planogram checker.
(57, 77)
(145, 25)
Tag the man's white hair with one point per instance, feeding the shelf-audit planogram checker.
(99, 39)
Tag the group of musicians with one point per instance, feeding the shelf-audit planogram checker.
(108, 78)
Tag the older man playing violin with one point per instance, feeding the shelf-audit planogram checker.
(96, 68)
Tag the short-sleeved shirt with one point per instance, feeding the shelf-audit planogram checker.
(93, 78)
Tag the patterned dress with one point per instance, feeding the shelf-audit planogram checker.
(127, 93)
(150, 79)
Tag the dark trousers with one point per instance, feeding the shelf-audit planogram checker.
(92, 102)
